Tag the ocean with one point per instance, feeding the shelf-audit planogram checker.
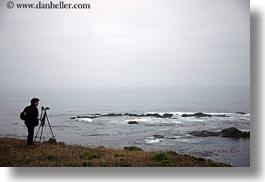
(151, 133)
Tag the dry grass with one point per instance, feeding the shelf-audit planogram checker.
(14, 152)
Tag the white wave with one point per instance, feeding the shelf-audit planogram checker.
(219, 113)
(177, 137)
(140, 119)
(86, 120)
(188, 140)
(180, 113)
(245, 118)
(194, 119)
(163, 129)
(152, 140)
(244, 130)
(177, 122)
(151, 120)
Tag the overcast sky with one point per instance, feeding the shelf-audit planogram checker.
(126, 43)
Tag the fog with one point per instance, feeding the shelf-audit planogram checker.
(126, 43)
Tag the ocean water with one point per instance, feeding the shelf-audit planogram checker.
(151, 134)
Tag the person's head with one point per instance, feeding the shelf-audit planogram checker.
(35, 101)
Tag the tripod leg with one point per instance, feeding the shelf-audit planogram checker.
(37, 133)
(49, 125)
(41, 115)
(41, 133)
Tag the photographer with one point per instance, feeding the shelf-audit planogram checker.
(31, 119)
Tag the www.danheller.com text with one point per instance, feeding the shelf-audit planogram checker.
(47, 5)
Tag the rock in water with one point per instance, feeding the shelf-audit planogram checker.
(241, 113)
(113, 114)
(133, 122)
(245, 134)
(131, 114)
(154, 115)
(228, 132)
(158, 136)
(198, 114)
(167, 115)
(221, 115)
(85, 116)
(231, 132)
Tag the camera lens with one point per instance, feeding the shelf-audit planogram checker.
(44, 108)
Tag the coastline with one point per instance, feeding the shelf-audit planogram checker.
(14, 153)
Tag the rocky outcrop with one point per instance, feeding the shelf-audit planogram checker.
(133, 122)
(152, 115)
(86, 116)
(220, 115)
(241, 113)
(231, 132)
(156, 115)
(167, 115)
(132, 115)
(158, 136)
(245, 134)
(198, 114)
(112, 114)
(234, 133)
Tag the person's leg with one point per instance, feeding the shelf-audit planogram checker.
(30, 135)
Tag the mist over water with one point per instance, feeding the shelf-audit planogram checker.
(139, 99)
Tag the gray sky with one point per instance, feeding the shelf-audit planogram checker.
(126, 43)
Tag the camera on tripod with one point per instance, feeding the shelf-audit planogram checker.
(45, 108)
(43, 115)
(43, 118)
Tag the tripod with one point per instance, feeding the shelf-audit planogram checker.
(43, 117)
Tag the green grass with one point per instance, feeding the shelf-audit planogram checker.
(87, 164)
(159, 157)
(163, 160)
(133, 148)
(90, 154)
(14, 153)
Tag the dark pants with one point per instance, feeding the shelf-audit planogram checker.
(30, 135)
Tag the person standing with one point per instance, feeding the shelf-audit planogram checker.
(31, 120)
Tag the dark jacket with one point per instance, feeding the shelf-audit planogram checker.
(32, 116)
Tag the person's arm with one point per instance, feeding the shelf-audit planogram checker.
(37, 113)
